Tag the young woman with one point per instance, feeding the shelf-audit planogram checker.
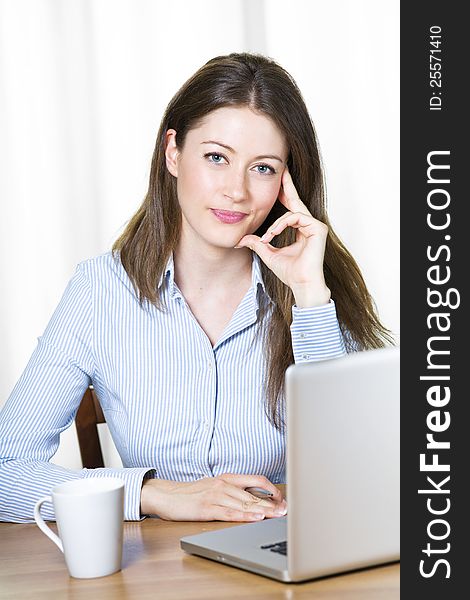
(228, 272)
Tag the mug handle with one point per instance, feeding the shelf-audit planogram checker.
(42, 524)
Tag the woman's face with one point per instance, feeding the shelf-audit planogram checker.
(228, 175)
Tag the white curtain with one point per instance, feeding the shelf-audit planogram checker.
(83, 85)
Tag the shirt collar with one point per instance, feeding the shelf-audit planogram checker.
(169, 276)
(256, 274)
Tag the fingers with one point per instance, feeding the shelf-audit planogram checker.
(230, 496)
(306, 224)
(227, 514)
(239, 498)
(288, 195)
(264, 251)
(230, 507)
(267, 507)
(248, 502)
(244, 481)
(252, 505)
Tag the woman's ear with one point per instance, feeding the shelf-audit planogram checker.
(171, 152)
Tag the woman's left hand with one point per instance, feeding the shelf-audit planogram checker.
(300, 265)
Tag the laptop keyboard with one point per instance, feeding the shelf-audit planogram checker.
(279, 547)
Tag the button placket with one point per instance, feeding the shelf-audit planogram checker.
(211, 399)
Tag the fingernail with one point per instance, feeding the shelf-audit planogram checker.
(265, 237)
(258, 516)
(238, 246)
(280, 512)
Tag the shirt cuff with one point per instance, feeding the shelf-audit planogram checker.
(133, 478)
(315, 333)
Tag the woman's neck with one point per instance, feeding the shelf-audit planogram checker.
(211, 270)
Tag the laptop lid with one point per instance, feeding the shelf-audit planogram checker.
(343, 463)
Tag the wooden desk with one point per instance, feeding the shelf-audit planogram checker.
(154, 566)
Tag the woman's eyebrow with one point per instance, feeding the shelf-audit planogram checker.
(274, 156)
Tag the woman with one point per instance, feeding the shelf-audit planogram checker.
(227, 273)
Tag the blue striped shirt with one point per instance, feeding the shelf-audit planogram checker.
(177, 407)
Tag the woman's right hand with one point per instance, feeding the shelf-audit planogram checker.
(221, 498)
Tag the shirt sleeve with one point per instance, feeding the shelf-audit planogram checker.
(316, 334)
(44, 403)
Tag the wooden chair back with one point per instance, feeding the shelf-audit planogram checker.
(89, 415)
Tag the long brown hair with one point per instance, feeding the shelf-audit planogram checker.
(258, 82)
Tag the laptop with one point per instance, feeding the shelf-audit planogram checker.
(342, 476)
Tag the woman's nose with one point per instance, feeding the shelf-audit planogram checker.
(236, 186)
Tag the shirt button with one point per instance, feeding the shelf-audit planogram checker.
(302, 335)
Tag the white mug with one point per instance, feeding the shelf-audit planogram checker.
(89, 514)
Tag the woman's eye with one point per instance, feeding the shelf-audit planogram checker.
(266, 169)
(215, 158)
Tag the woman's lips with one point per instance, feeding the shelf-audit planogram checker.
(228, 216)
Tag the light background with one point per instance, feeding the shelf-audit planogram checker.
(83, 86)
